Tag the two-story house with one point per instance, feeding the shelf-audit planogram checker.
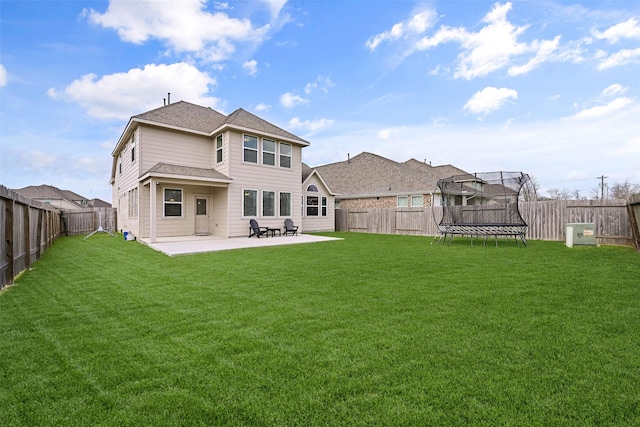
(184, 170)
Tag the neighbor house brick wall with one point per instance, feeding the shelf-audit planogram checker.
(378, 202)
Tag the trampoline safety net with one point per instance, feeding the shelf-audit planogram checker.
(483, 204)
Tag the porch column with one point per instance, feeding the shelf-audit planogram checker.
(152, 213)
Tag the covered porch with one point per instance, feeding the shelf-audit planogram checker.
(180, 202)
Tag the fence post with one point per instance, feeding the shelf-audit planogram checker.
(8, 233)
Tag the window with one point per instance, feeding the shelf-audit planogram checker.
(312, 206)
(268, 152)
(133, 150)
(250, 149)
(324, 206)
(285, 204)
(120, 164)
(337, 204)
(312, 188)
(133, 203)
(219, 149)
(172, 202)
(268, 203)
(285, 155)
(250, 203)
(403, 201)
(416, 201)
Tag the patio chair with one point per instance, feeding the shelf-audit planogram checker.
(289, 228)
(256, 230)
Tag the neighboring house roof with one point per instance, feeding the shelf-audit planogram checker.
(178, 171)
(99, 203)
(49, 192)
(308, 172)
(369, 175)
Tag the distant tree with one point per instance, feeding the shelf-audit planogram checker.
(624, 190)
(530, 190)
(577, 196)
(557, 194)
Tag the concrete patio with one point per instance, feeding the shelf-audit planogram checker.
(186, 245)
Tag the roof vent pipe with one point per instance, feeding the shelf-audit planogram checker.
(168, 98)
(348, 158)
(164, 101)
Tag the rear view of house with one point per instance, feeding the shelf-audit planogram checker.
(184, 169)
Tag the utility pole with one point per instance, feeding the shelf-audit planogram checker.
(602, 178)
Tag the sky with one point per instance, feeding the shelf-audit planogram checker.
(549, 88)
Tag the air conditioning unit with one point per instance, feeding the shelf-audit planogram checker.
(580, 233)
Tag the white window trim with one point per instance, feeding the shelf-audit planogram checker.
(255, 215)
(164, 203)
(421, 200)
(290, 155)
(406, 198)
(275, 212)
(257, 149)
(221, 148)
(274, 152)
(280, 214)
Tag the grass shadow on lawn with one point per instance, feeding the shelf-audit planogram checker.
(372, 329)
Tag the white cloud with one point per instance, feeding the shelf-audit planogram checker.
(182, 25)
(251, 67)
(275, 6)
(262, 107)
(310, 125)
(119, 96)
(388, 133)
(322, 84)
(489, 99)
(613, 90)
(290, 100)
(628, 29)
(36, 159)
(419, 22)
(603, 110)
(494, 46)
(544, 51)
(623, 57)
(3, 76)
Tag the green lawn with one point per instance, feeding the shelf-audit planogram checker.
(370, 330)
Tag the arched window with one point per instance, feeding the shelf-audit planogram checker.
(312, 188)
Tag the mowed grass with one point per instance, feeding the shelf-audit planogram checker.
(370, 330)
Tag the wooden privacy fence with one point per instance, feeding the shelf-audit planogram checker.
(547, 220)
(28, 228)
(84, 221)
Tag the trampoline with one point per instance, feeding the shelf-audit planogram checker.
(483, 205)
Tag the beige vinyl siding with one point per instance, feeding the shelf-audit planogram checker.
(248, 176)
(126, 179)
(177, 148)
(224, 166)
(219, 212)
(319, 223)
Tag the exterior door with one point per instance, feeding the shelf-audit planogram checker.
(202, 215)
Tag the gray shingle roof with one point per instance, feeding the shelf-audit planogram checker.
(169, 169)
(185, 115)
(204, 119)
(50, 192)
(367, 175)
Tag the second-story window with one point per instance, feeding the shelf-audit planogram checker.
(250, 153)
(285, 155)
(268, 152)
(219, 157)
(133, 150)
